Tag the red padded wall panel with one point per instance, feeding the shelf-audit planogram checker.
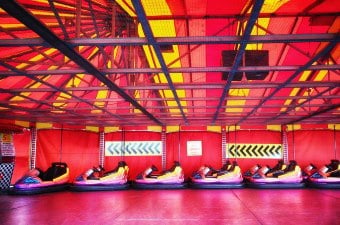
(22, 147)
(313, 146)
(79, 149)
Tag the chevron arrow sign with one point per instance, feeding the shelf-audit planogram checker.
(264, 151)
(133, 148)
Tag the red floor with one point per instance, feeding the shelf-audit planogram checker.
(241, 206)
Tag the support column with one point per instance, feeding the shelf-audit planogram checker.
(284, 144)
(224, 145)
(33, 148)
(163, 139)
(335, 150)
(101, 148)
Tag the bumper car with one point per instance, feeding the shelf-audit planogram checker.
(266, 170)
(327, 177)
(308, 171)
(168, 179)
(281, 176)
(55, 178)
(249, 173)
(96, 179)
(229, 176)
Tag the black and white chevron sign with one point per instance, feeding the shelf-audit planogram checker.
(133, 148)
(264, 151)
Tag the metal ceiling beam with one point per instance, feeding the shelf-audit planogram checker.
(277, 106)
(321, 54)
(308, 99)
(69, 9)
(226, 120)
(333, 107)
(238, 17)
(69, 121)
(179, 118)
(96, 29)
(277, 38)
(152, 41)
(129, 71)
(254, 85)
(126, 41)
(195, 99)
(202, 120)
(207, 116)
(245, 38)
(31, 113)
(242, 16)
(53, 89)
(139, 121)
(17, 11)
(57, 16)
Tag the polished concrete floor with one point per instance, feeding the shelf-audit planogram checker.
(238, 206)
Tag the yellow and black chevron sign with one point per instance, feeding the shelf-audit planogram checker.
(264, 151)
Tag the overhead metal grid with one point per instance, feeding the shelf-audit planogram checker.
(85, 62)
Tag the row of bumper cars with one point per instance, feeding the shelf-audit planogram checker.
(97, 179)
(326, 177)
(55, 178)
(169, 179)
(281, 176)
(229, 176)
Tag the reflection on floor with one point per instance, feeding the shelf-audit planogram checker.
(238, 206)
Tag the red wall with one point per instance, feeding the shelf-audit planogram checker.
(79, 149)
(22, 148)
(315, 146)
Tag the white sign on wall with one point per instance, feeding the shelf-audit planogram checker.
(194, 148)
